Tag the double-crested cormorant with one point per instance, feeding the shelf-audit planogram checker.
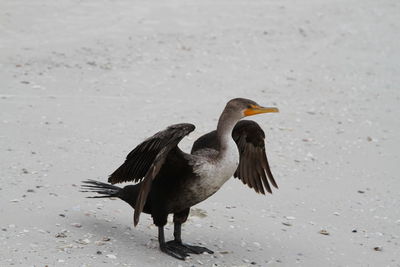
(169, 180)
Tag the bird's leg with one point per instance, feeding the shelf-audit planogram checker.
(170, 248)
(177, 232)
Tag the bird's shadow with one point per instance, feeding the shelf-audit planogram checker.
(142, 239)
(126, 236)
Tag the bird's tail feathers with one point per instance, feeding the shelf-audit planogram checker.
(105, 190)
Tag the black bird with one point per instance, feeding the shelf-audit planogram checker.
(169, 180)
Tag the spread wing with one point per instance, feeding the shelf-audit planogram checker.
(142, 158)
(146, 160)
(253, 167)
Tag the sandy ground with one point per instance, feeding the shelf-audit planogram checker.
(83, 82)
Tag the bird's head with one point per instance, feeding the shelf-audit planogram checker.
(243, 107)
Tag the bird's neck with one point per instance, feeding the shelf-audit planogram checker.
(225, 126)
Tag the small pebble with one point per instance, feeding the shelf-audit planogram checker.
(99, 243)
(378, 248)
(83, 241)
(77, 225)
(105, 239)
(99, 252)
(361, 191)
(286, 223)
(354, 231)
(111, 256)
(61, 235)
(324, 232)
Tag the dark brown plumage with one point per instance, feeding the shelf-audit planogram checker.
(169, 180)
(249, 138)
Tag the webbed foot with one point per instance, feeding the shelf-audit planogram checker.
(174, 250)
(189, 248)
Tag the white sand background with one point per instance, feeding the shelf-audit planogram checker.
(83, 82)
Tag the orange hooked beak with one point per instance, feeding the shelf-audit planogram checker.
(254, 110)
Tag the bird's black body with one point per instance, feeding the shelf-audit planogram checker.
(169, 180)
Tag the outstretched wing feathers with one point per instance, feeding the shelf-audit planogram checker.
(268, 170)
(145, 186)
(140, 159)
(253, 168)
(145, 161)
